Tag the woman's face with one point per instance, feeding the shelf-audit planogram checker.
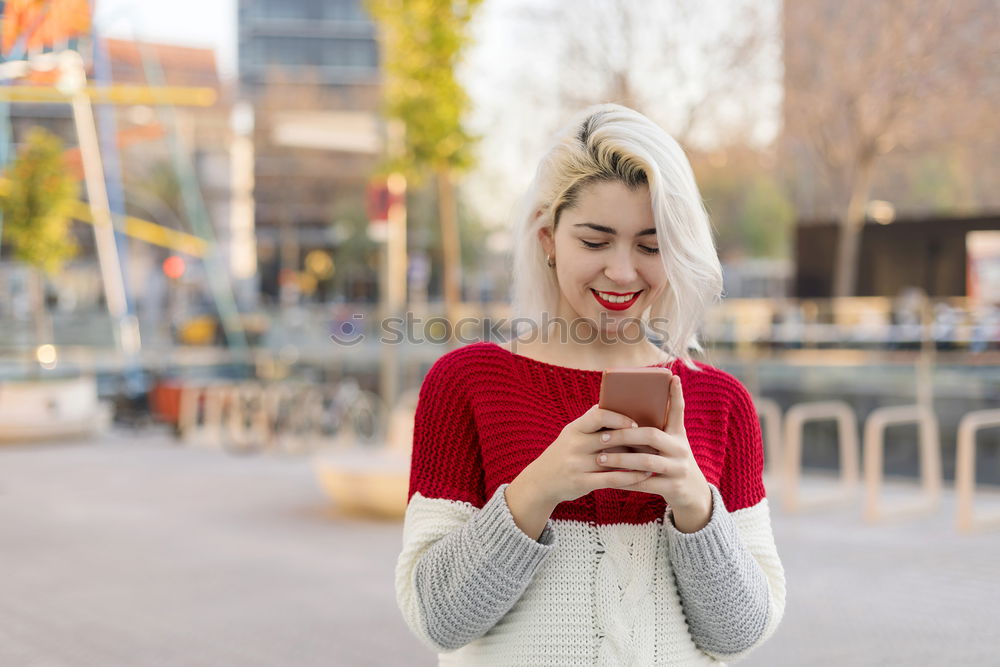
(607, 255)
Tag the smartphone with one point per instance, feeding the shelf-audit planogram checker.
(640, 393)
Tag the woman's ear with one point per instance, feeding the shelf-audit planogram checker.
(546, 239)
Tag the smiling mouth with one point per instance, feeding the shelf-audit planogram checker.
(614, 301)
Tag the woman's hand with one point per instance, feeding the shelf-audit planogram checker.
(568, 468)
(676, 475)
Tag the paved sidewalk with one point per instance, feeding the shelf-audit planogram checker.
(133, 551)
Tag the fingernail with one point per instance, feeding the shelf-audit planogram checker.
(634, 425)
(602, 458)
(605, 437)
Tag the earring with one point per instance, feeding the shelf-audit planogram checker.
(551, 262)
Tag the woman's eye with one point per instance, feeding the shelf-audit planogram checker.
(648, 250)
(588, 244)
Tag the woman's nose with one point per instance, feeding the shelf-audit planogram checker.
(621, 269)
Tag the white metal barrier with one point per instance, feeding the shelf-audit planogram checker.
(847, 444)
(187, 416)
(929, 452)
(202, 408)
(965, 470)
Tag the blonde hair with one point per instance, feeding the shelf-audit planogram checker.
(609, 142)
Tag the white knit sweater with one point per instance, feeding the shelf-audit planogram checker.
(582, 606)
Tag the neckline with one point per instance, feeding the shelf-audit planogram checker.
(545, 364)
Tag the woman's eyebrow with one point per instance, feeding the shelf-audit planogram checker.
(611, 230)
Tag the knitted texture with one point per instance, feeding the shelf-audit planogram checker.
(475, 574)
(484, 414)
(610, 581)
(708, 566)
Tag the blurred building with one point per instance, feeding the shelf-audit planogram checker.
(942, 257)
(151, 156)
(213, 163)
(310, 70)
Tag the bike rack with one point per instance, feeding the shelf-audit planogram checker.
(344, 435)
(197, 426)
(847, 443)
(250, 416)
(965, 470)
(930, 460)
(242, 436)
(284, 436)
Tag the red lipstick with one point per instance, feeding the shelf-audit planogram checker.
(625, 305)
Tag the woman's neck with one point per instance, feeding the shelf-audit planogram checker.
(587, 355)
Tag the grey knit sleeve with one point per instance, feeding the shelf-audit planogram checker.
(470, 578)
(723, 589)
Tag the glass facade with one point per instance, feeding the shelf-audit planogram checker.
(329, 40)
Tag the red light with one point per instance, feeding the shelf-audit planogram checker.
(173, 267)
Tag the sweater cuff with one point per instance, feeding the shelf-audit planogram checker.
(714, 543)
(510, 550)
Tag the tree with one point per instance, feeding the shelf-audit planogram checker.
(748, 206)
(703, 70)
(355, 248)
(422, 44)
(37, 197)
(865, 79)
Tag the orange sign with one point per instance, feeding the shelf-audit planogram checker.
(43, 22)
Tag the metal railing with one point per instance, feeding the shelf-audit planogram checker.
(783, 448)
(847, 444)
(929, 451)
(965, 470)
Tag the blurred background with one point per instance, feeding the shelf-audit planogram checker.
(208, 208)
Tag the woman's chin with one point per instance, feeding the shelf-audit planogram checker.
(615, 326)
(611, 320)
(611, 324)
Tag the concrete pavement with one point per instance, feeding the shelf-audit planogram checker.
(134, 551)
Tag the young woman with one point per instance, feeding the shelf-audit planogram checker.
(543, 530)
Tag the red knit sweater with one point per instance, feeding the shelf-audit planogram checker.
(485, 413)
